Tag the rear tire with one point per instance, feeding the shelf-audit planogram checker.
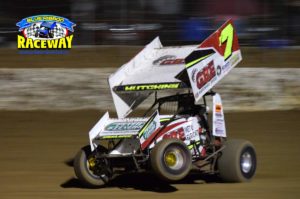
(83, 170)
(171, 160)
(238, 161)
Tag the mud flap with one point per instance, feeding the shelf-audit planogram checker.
(218, 125)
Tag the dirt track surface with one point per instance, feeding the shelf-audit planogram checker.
(115, 56)
(36, 151)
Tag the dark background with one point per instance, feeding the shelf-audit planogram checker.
(263, 23)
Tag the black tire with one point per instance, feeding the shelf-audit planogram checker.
(171, 160)
(83, 171)
(237, 162)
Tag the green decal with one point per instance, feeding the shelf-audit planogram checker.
(152, 87)
(143, 129)
(196, 61)
(130, 88)
(164, 119)
(149, 130)
(227, 35)
(191, 146)
(116, 136)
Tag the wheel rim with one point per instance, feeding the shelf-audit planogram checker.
(173, 159)
(246, 162)
(91, 162)
(170, 159)
(90, 165)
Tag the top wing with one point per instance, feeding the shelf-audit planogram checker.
(156, 67)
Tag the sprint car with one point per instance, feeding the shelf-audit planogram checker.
(169, 143)
(45, 30)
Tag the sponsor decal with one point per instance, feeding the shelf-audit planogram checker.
(226, 66)
(178, 134)
(194, 72)
(192, 135)
(149, 127)
(219, 70)
(116, 136)
(218, 108)
(234, 59)
(168, 60)
(218, 117)
(183, 133)
(42, 34)
(151, 87)
(149, 130)
(124, 126)
(172, 62)
(188, 129)
(219, 129)
(161, 59)
(205, 75)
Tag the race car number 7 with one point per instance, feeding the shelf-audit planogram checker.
(227, 35)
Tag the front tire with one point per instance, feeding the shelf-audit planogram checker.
(171, 160)
(237, 162)
(84, 167)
